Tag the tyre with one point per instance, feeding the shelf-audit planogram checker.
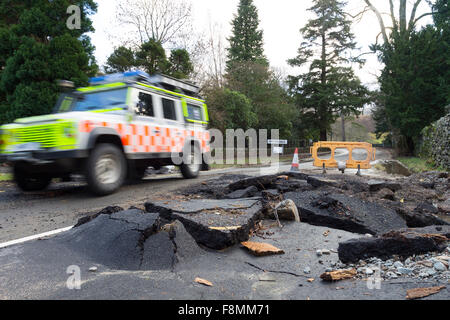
(192, 162)
(106, 169)
(31, 182)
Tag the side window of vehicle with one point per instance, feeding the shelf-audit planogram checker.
(145, 105)
(195, 112)
(169, 109)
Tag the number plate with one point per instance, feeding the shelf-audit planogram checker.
(31, 146)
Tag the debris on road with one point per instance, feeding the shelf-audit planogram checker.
(346, 213)
(405, 243)
(204, 282)
(261, 249)
(338, 275)
(232, 226)
(423, 292)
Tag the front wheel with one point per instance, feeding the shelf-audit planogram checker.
(31, 182)
(192, 162)
(106, 169)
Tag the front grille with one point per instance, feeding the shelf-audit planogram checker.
(46, 135)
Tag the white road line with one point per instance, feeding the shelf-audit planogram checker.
(30, 238)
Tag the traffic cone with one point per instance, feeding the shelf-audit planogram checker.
(295, 165)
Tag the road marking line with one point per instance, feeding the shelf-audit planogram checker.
(30, 238)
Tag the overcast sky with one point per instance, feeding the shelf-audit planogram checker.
(280, 20)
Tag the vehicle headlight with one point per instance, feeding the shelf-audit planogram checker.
(69, 131)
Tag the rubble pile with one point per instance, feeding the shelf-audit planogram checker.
(393, 225)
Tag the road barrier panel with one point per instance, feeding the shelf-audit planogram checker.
(350, 163)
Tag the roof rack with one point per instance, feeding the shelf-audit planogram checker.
(159, 80)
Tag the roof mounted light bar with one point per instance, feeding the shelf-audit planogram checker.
(159, 80)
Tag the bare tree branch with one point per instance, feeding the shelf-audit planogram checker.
(413, 15)
(380, 20)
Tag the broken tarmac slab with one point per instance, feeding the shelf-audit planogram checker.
(403, 243)
(216, 224)
(130, 240)
(339, 211)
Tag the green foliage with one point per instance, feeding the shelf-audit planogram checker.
(229, 109)
(121, 60)
(36, 49)
(151, 57)
(269, 100)
(329, 88)
(415, 83)
(246, 43)
(180, 65)
(248, 72)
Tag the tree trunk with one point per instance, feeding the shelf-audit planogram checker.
(344, 138)
(323, 135)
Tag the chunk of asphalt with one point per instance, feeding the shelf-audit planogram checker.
(377, 185)
(418, 218)
(267, 182)
(403, 243)
(318, 181)
(107, 210)
(243, 193)
(114, 240)
(216, 224)
(339, 211)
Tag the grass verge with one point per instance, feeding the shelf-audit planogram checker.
(6, 177)
(417, 165)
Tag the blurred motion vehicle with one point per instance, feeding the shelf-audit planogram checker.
(110, 131)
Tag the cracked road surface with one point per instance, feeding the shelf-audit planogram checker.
(63, 204)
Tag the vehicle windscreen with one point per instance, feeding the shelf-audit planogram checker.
(102, 100)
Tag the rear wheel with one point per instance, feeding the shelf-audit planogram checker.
(31, 182)
(192, 162)
(106, 169)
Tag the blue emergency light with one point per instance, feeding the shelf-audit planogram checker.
(120, 77)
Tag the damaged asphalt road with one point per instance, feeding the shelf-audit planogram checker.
(157, 253)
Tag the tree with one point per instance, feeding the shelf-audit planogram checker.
(121, 60)
(152, 57)
(415, 82)
(229, 109)
(36, 49)
(329, 89)
(164, 21)
(269, 100)
(246, 43)
(180, 65)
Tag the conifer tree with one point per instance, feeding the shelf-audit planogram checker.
(329, 88)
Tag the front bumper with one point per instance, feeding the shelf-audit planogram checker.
(43, 156)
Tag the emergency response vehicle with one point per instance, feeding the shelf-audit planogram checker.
(116, 128)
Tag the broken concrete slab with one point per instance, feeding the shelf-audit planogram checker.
(107, 210)
(403, 243)
(216, 224)
(339, 211)
(243, 193)
(419, 217)
(131, 240)
(114, 240)
(320, 181)
(377, 185)
(271, 181)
